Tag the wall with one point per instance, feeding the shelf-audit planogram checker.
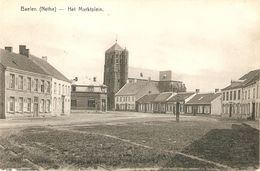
(58, 95)
(216, 106)
(2, 92)
(25, 94)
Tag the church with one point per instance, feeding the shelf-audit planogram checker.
(118, 75)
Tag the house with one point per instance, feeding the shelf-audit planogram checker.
(145, 103)
(24, 86)
(181, 98)
(204, 103)
(241, 98)
(88, 94)
(160, 102)
(61, 87)
(126, 97)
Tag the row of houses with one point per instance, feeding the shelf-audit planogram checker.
(146, 97)
(30, 86)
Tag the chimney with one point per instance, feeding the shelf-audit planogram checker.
(94, 79)
(45, 58)
(197, 91)
(216, 90)
(76, 78)
(23, 50)
(9, 48)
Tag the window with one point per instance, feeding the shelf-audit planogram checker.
(62, 89)
(120, 99)
(253, 92)
(68, 90)
(12, 81)
(42, 86)
(65, 89)
(20, 103)
(249, 94)
(227, 96)
(200, 109)
(230, 95)
(245, 95)
(74, 103)
(73, 88)
(238, 95)
(133, 98)
(36, 84)
(206, 109)
(91, 103)
(257, 91)
(11, 104)
(20, 82)
(59, 89)
(235, 95)
(91, 89)
(29, 103)
(29, 83)
(55, 87)
(48, 87)
(223, 96)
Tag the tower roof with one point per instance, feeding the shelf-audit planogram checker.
(115, 47)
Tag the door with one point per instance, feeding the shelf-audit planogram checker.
(62, 104)
(35, 107)
(253, 111)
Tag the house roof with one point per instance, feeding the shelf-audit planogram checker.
(245, 80)
(181, 96)
(21, 62)
(136, 88)
(162, 97)
(115, 47)
(143, 74)
(48, 68)
(205, 98)
(147, 98)
(88, 82)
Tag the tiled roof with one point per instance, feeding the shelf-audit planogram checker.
(147, 98)
(245, 80)
(162, 97)
(48, 68)
(21, 62)
(181, 96)
(137, 88)
(206, 98)
(113, 48)
(140, 73)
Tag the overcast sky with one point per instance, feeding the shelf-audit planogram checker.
(208, 43)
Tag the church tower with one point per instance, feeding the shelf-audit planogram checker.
(115, 72)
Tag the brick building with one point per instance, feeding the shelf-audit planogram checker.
(88, 94)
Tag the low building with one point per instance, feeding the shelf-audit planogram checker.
(204, 103)
(24, 86)
(241, 98)
(88, 94)
(160, 102)
(145, 103)
(127, 96)
(181, 98)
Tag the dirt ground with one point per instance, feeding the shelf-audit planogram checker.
(128, 140)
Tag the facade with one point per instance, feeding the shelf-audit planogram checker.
(115, 72)
(126, 97)
(241, 98)
(88, 95)
(61, 87)
(181, 98)
(25, 87)
(204, 103)
(145, 103)
(160, 102)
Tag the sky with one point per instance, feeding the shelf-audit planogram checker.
(207, 43)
